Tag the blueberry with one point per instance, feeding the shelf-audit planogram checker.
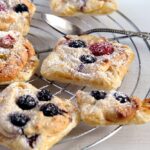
(51, 110)
(44, 95)
(26, 102)
(87, 59)
(121, 98)
(21, 8)
(77, 44)
(32, 140)
(19, 120)
(98, 94)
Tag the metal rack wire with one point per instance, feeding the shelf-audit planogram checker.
(43, 37)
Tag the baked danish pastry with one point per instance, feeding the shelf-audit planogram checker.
(18, 61)
(89, 61)
(78, 7)
(33, 119)
(16, 15)
(112, 108)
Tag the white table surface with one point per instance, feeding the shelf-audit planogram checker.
(132, 137)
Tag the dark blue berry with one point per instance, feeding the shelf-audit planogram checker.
(51, 110)
(77, 44)
(19, 120)
(32, 140)
(21, 8)
(87, 59)
(98, 94)
(44, 95)
(121, 98)
(26, 102)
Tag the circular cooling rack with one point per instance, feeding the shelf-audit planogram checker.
(44, 37)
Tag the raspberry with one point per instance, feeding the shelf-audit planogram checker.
(3, 6)
(7, 41)
(103, 48)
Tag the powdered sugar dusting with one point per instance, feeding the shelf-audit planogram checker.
(14, 34)
(78, 3)
(105, 70)
(4, 51)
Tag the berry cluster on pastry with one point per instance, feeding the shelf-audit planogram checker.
(89, 61)
(16, 15)
(112, 108)
(33, 119)
(18, 60)
(78, 7)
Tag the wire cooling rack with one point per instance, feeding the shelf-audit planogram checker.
(43, 38)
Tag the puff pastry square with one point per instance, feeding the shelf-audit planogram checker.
(18, 60)
(89, 61)
(16, 15)
(78, 7)
(112, 108)
(33, 119)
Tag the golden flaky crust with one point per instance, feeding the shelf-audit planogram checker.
(110, 111)
(18, 61)
(48, 129)
(10, 20)
(78, 7)
(64, 65)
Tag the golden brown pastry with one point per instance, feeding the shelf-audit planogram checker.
(112, 108)
(89, 61)
(18, 61)
(16, 15)
(33, 119)
(78, 7)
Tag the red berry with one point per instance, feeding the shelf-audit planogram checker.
(103, 48)
(2, 6)
(7, 41)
